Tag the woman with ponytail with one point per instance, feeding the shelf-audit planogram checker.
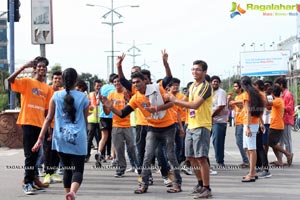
(69, 107)
(253, 107)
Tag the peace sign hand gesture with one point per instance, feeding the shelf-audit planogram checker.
(165, 55)
(120, 60)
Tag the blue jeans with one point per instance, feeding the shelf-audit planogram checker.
(161, 154)
(154, 137)
(218, 134)
(178, 143)
(239, 142)
(131, 160)
(141, 134)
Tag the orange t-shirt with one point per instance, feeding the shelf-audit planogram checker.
(178, 109)
(239, 114)
(119, 103)
(182, 110)
(277, 114)
(35, 98)
(140, 118)
(174, 111)
(140, 101)
(253, 120)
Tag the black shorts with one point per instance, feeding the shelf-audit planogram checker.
(106, 124)
(274, 136)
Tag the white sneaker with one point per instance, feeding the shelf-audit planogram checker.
(130, 169)
(167, 182)
(41, 172)
(60, 171)
(212, 172)
(187, 170)
(55, 179)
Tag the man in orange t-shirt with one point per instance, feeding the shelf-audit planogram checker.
(277, 126)
(35, 97)
(51, 159)
(121, 129)
(237, 105)
(141, 122)
(160, 129)
(179, 117)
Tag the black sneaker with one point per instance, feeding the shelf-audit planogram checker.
(96, 156)
(150, 181)
(119, 174)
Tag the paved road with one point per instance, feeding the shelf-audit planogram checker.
(101, 184)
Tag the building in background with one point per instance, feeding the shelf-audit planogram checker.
(293, 45)
(3, 44)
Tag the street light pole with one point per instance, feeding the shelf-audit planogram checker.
(112, 11)
(263, 45)
(134, 48)
(133, 55)
(244, 45)
(143, 66)
(253, 45)
(112, 37)
(273, 45)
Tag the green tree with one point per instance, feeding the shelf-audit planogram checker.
(90, 79)
(227, 83)
(56, 67)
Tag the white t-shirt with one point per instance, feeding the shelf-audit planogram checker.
(220, 99)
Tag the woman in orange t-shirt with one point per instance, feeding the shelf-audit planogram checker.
(253, 106)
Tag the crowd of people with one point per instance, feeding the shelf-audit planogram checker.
(150, 122)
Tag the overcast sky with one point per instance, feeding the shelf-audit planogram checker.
(188, 30)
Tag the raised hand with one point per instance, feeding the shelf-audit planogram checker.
(120, 60)
(165, 55)
(29, 65)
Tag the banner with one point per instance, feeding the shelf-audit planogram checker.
(41, 22)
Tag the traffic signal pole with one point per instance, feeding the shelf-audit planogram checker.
(12, 48)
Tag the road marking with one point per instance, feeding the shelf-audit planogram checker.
(8, 153)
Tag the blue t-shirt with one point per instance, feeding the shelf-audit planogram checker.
(67, 137)
(104, 91)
